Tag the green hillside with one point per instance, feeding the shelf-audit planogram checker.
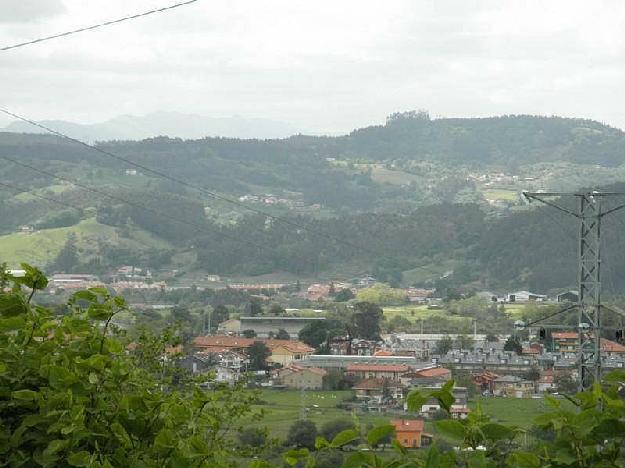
(410, 201)
(42, 246)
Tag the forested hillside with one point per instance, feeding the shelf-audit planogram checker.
(358, 203)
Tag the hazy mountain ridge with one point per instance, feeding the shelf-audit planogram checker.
(172, 124)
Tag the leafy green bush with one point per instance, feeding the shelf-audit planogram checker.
(71, 394)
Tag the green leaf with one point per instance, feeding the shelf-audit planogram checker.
(12, 323)
(120, 433)
(113, 346)
(60, 377)
(399, 448)
(292, 457)
(321, 442)
(3, 367)
(523, 460)
(445, 398)
(99, 312)
(375, 435)
(345, 437)
(495, 432)
(56, 446)
(29, 395)
(12, 305)
(451, 428)
(82, 458)
(83, 295)
(165, 439)
(433, 458)
(415, 400)
(478, 460)
(360, 459)
(34, 278)
(197, 447)
(100, 291)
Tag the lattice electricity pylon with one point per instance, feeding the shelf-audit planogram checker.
(589, 276)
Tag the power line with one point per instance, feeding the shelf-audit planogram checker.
(99, 25)
(203, 190)
(131, 203)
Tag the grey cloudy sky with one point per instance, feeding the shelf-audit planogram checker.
(321, 65)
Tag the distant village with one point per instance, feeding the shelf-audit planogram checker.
(379, 372)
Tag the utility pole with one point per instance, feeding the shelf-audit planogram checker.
(590, 214)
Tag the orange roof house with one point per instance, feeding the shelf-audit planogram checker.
(299, 377)
(282, 351)
(409, 432)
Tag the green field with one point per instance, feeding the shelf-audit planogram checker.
(514, 411)
(41, 247)
(33, 195)
(282, 407)
(501, 194)
(415, 313)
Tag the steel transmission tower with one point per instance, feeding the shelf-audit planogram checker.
(590, 214)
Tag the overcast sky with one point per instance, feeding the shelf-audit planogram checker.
(323, 66)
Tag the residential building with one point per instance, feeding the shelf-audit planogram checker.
(426, 377)
(565, 343)
(283, 352)
(378, 390)
(347, 346)
(485, 381)
(513, 386)
(612, 348)
(409, 433)
(546, 382)
(377, 371)
(316, 292)
(299, 377)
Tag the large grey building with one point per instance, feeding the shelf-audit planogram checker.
(264, 325)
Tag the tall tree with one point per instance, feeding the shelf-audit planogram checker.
(366, 321)
(444, 345)
(67, 259)
(513, 344)
(258, 353)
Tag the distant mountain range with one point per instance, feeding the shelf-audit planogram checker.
(171, 124)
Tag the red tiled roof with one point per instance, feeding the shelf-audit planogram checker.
(433, 372)
(611, 346)
(377, 368)
(530, 351)
(408, 425)
(564, 335)
(382, 352)
(224, 342)
(296, 369)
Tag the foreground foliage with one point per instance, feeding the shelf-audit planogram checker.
(71, 394)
